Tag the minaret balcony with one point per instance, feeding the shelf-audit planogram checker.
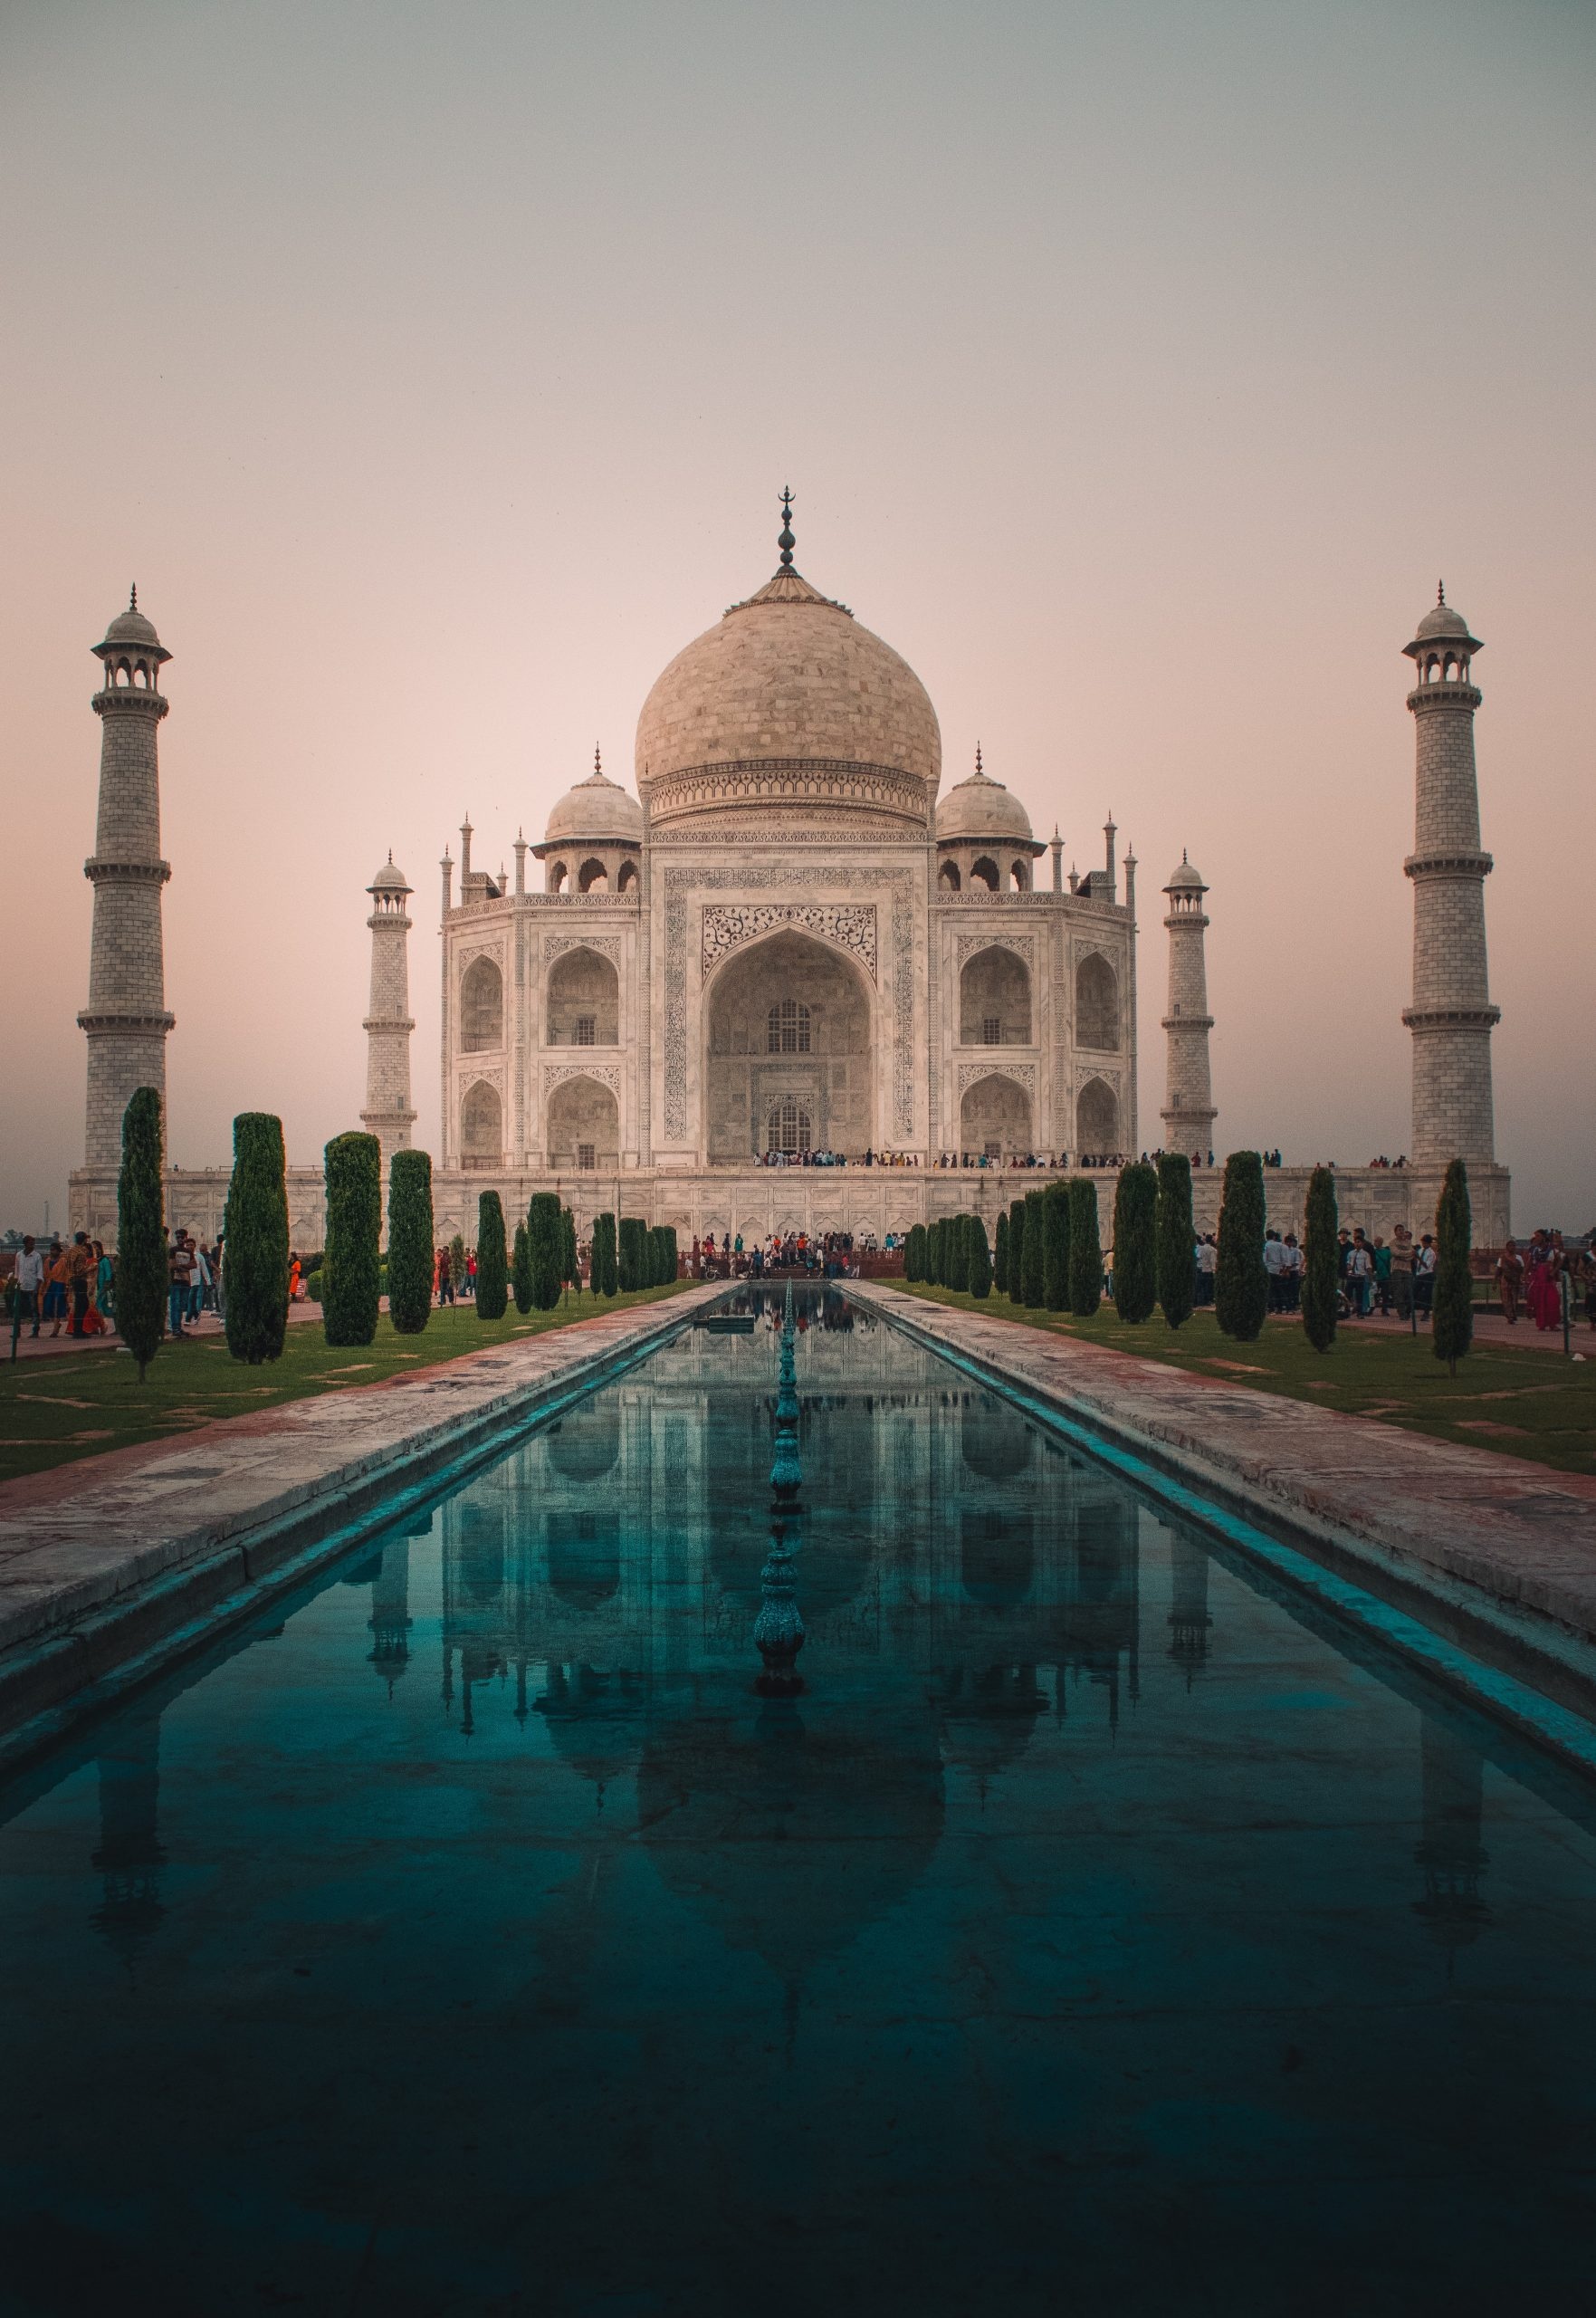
(1451, 1018)
(114, 1020)
(131, 700)
(1451, 695)
(1448, 865)
(100, 872)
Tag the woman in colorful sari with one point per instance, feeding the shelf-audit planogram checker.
(1543, 1294)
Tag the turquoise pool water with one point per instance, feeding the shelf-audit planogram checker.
(1096, 1930)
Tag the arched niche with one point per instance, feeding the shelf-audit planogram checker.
(582, 1006)
(994, 1117)
(626, 883)
(995, 1440)
(482, 1126)
(556, 877)
(583, 1129)
(984, 871)
(584, 1446)
(994, 1000)
(482, 1006)
(1019, 875)
(948, 877)
(585, 1556)
(830, 1080)
(1097, 1120)
(592, 877)
(1097, 1004)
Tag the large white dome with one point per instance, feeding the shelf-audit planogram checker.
(789, 705)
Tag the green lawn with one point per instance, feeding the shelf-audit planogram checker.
(1523, 1403)
(54, 1410)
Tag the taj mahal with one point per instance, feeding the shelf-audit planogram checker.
(791, 982)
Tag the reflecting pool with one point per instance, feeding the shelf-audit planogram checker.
(1095, 1928)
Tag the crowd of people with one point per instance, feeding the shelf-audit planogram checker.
(828, 1255)
(1536, 1278)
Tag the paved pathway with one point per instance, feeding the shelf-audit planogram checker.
(205, 1518)
(1522, 1534)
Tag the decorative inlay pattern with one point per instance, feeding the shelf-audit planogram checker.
(471, 951)
(679, 883)
(1022, 944)
(609, 945)
(1024, 1074)
(607, 1074)
(470, 1079)
(851, 926)
(781, 780)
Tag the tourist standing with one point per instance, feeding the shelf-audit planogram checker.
(30, 1288)
(179, 1270)
(1424, 1277)
(1510, 1280)
(1403, 1271)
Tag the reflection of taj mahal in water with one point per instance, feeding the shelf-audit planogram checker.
(791, 940)
(965, 1582)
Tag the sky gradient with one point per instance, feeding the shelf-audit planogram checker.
(1138, 370)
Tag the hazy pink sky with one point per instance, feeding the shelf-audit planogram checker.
(1138, 369)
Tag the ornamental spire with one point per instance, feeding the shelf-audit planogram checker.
(978, 761)
(784, 539)
(597, 764)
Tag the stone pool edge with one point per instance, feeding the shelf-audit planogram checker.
(1510, 1636)
(127, 1575)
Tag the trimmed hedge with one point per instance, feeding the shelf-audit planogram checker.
(1241, 1285)
(545, 1249)
(978, 1257)
(521, 1269)
(1086, 1248)
(1177, 1240)
(1017, 1228)
(254, 1231)
(410, 1243)
(1036, 1252)
(352, 1283)
(1056, 1229)
(1453, 1326)
(1135, 1243)
(569, 1262)
(492, 1273)
(605, 1269)
(915, 1252)
(956, 1254)
(1321, 1261)
(143, 1274)
(1000, 1254)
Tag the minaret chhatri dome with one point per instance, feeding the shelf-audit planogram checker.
(789, 707)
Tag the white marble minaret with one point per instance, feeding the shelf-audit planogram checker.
(1451, 1017)
(126, 1020)
(388, 1114)
(1187, 1111)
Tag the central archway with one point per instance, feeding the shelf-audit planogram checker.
(788, 1038)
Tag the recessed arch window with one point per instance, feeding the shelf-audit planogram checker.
(786, 1028)
(592, 877)
(948, 877)
(984, 872)
(482, 1006)
(789, 1126)
(626, 882)
(1097, 1003)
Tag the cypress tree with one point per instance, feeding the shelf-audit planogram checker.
(1454, 1286)
(1321, 1261)
(493, 1283)
(352, 1264)
(1086, 1248)
(545, 1247)
(605, 1276)
(1241, 1285)
(1055, 1204)
(1135, 1237)
(1000, 1254)
(1036, 1252)
(1177, 1285)
(931, 1274)
(143, 1278)
(956, 1256)
(978, 1259)
(521, 1269)
(255, 1229)
(411, 1243)
(672, 1256)
(457, 1262)
(915, 1252)
(627, 1254)
(570, 1264)
(1017, 1221)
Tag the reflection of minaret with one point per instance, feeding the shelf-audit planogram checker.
(1189, 1610)
(1451, 1854)
(390, 1612)
(129, 1857)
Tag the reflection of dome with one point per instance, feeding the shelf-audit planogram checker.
(789, 700)
(988, 1716)
(735, 1813)
(595, 1719)
(584, 1446)
(980, 809)
(595, 812)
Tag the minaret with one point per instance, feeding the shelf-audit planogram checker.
(1188, 1112)
(1451, 1017)
(388, 1114)
(126, 1019)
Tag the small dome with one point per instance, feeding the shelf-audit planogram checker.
(597, 811)
(131, 628)
(981, 808)
(389, 880)
(1185, 879)
(1441, 624)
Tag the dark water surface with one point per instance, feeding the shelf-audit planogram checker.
(1095, 1932)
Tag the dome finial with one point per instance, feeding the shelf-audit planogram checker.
(977, 756)
(785, 540)
(1440, 591)
(133, 596)
(597, 764)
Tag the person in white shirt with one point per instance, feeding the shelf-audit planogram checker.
(29, 1288)
(1276, 1266)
